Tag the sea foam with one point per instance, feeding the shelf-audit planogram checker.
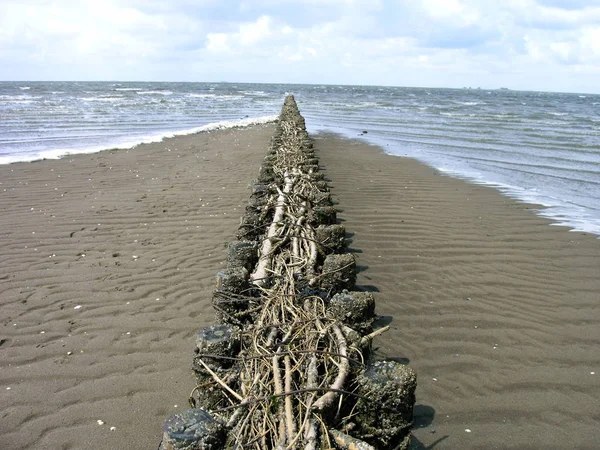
(126, 144)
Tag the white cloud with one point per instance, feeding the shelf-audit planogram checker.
(425, 42)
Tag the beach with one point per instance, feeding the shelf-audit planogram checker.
(495, 309)
(108, 266)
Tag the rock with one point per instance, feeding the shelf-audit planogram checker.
(338, 273)
(323, 186)
(250, 228)
(242, 254)
(323, 215)
(388, 415)
(309, 168)
(219, 340)
(355, 309)
(193, 429)
(331, 238)
(265, 173)
(233, 280)
(230, 283)
(323, 199)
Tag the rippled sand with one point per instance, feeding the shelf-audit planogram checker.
(108, 261)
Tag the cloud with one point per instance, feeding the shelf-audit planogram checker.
(425, 42)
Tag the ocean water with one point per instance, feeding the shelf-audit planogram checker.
(535, 146)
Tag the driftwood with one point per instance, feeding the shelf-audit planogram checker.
(289, 364)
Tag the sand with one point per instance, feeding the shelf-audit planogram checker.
(107, 268)
(108, 261)
(496, 310)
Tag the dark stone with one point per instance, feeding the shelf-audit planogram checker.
(339, 272)
(355, 309)
(242, 254)
(323, 199)
(323, 215)
(250, 228)
(233, 280)
(331, 238)
(266, 174)
(388, 415)
(260, 189)
(218, 340)
(323, 186)
(226, 302)
(309, 168)
(193, 429)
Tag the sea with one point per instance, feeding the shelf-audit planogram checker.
(537, 147)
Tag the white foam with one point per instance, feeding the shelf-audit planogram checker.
(61, 153)
(24, 88)
(155, 92)
(101, 99)
(128, 89)
(561, 212)
(201, 95)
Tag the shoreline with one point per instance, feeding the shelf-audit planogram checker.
(459, 269)
(495, 309)
(129, 144)
(549, 210)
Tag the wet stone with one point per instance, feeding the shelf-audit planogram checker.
(323, 215)
(233, 280)
(338, 273)
(355, 309)
(331, 238)
(250, 229)
(309, 167)
(323, 186)
(388, 415)
(266, 174)
(260, 189)
(218, 340)
(193, 429)
(242, 254)
(323, 199)
(210, 396)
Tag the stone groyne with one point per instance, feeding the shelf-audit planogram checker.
(288, 363)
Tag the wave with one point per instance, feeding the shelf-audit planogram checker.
(158, 137)
(101, 99)
(201, 95)
(155, 92)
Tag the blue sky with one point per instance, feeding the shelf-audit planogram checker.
(551, 45)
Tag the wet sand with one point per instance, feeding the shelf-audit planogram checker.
(496, 310)
(108, 261)
(107, 268)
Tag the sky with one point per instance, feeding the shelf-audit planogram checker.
(546, 45)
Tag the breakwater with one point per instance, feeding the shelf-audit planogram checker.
(289, 362)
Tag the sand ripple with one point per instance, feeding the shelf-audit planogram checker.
(107, 268)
